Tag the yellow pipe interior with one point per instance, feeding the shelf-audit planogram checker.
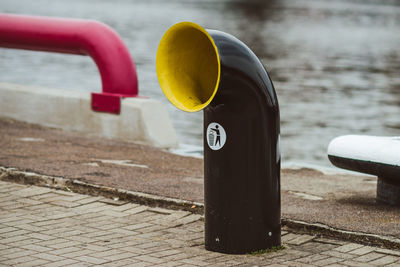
(188, 66)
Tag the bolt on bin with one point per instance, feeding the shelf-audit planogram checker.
(213, 71)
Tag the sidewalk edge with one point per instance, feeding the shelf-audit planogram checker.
(77, 186)
(319, 229)
(60, 183)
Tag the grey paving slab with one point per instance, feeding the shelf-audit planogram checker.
(137, 235)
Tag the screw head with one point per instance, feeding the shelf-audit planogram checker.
(269, 234)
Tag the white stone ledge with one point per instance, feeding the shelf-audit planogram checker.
(142, 120)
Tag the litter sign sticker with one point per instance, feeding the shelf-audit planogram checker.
(216, 136)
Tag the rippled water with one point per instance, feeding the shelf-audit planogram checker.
(335, 64)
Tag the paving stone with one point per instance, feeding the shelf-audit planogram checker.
(327, 261)
(7, 229)
(106, 253)
(58, 243)
(388, 251)
(388, 259)
(194, 262)
(19, 254)
(369, 257)
(29, 201)
(82, 264)
(141, 264)
(291, 254)
(169, 264)
(9, 218)
(80, 230)
(92, 260)
(61, 252)
(348, 247)
(296, 264)
(330, 241)
(31, 191)
(150, 258)
(362, 251)
(353, 263)
(395, 264)
(209, 257)
(166, 253)
(289, 237)
(119, 263)
(12, 205)
(178, 214)
(30, 228)
(14, 233)
(35, 247)
(160, 211)
(87, 199)
(94, 247)
(334, 253)
(34, 263)
(21, 222)
(316, 247)
(92, 207)
(48, 257)
(136, 210)
(133, 249)
(41, 236)
(124, 207)
(113, 213)
(76, 254)
(312, 258)
(14, 239)
(300, 240)
(189, 219)
(120, 256)
(153, 228)
(64, 203)
(67, 262)
(176, 257)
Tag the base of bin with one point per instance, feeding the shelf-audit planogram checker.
(253, 239)
(388, 191)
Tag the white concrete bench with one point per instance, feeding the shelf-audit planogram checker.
(375, 155)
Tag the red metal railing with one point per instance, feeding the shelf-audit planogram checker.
(83, 37)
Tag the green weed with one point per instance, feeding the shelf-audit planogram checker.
(268, 250)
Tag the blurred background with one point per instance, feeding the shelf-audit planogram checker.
(335, 64)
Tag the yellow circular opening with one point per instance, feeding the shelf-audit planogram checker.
(188, 66)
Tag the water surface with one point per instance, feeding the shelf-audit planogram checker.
(335, 64)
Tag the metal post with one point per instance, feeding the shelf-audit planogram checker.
(216, 72)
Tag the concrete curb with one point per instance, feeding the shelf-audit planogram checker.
(30, 178)
(388, 242)
(60, 183)
(142, 120)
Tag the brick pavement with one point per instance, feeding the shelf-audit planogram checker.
(307, 195)
(46, 227)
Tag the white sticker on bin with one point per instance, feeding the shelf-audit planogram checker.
(216, 136)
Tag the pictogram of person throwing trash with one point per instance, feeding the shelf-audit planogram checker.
(218, 134)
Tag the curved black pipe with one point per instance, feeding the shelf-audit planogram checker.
(241, 145)
(242, 180)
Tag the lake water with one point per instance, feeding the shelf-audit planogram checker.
(335, 64)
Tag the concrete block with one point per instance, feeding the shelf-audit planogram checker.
(142, 120)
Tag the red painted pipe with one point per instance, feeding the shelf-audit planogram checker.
(78, 36)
